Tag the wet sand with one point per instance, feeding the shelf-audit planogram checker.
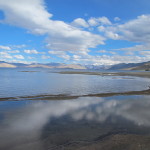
(69, 97)
(119, 142)
(136, 74)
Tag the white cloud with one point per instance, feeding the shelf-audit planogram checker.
(33, 16)
(14, 51)
(28, 14)
(106, 51)
(20, 61)
(112, 35)
(113, 53)
(145, 53)
(63, 38)
(66, 57)
(109, 60)
(136, 30)
(19, 46)
(31, 51)
(136, 48)
(5, 55)
(45, 57)
(19, 56)
(104, 21)
(93, 22)
(56, 52)
(129, 53)
(74, 41)
(60, 54)
(101, 28)
(99, 21)
(79, 22)
(5, 47)
(29, 57)
(102, 51)
(117, 19)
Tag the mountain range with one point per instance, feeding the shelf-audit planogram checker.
(122, 66)
(131, 66)
(4, 64)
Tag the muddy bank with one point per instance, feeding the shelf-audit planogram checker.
(137, 74)
(116, 142)
(69, 97)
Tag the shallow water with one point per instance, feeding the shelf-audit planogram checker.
(52, 124)
(14, 82)
(73, 123)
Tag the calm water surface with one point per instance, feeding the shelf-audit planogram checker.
(14, 83)
(68, 124)
(42, 125)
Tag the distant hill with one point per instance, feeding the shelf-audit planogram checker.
(4, 64)
(132, 66)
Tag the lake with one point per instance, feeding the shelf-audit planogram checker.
(14, 82)
(117, 122)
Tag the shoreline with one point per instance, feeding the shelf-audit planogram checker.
(70, 97)
(135, 74)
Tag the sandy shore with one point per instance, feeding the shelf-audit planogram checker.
(115, 142)
(136, 74)
(69, 97)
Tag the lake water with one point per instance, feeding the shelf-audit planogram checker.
(76, 123)
(14, 82)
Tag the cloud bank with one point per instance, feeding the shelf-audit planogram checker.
(80, 37)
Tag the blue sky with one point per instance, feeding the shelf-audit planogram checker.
(100, 32)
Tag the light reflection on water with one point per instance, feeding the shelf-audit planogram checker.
(26, 126)
(14, 83)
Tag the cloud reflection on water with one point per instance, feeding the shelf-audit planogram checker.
(27, 123)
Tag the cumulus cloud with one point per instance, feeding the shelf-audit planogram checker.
(19, 46)
(19, 56)
(101, 28)
(27, 14)
(145, 53)
(5, 47)
(136, 30)
(5, 55)
(79, 22)
(117, 19)
(93, 22)
(104, 21)
(136, 48)
(99, 21)
(45, 57)
(112, 35)
(102, 51)
(31, 51)
(60, 54)
(33, 16)
(64, 37)
(14, 51)
(20, 61)
(109, 60)
(106, 51)
(29, 57)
